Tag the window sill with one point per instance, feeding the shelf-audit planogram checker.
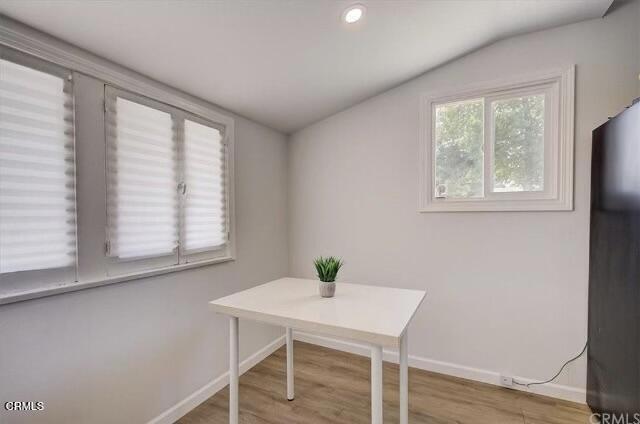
(12, 297)
(522, 205)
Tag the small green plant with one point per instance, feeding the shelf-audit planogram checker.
(327, 268)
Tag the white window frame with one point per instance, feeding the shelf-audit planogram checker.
(118, 266)
(558, 87)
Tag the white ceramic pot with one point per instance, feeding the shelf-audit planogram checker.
(327, 289)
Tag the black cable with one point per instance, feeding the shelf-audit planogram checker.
(584, 349)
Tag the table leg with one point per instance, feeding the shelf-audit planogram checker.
(290, 392)
(404, 380)
(376, 385)
(233, 369)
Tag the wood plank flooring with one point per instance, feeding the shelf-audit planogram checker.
(333, 387)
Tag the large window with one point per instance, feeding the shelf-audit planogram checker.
(37, 174)
(166, 184)
(99, 184)
(499, 147)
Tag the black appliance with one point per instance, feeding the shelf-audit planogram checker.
(613, 370)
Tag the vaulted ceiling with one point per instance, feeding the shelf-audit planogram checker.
(289, 63)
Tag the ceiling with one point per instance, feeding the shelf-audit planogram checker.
(289, 63)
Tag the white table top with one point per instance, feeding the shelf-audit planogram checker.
(372, 314)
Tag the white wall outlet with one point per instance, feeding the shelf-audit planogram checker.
(506, 381)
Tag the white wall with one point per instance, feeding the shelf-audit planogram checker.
(125, 353)
(507, 292)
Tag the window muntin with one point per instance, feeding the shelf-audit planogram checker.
(37, 171)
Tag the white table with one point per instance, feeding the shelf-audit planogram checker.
(377, 316)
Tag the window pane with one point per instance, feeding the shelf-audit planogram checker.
(37, 193)
(518, 144)
(205, 200)
(459, 149)
(142, 207)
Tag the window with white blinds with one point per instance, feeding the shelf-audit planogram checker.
(86, 201)
(37, 175)
(166, 182)
(141, 186)
(205, 189)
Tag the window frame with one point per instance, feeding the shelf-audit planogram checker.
(118, 266)
(558, 87)
(35, 278)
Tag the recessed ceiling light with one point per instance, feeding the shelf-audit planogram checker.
(353, 13)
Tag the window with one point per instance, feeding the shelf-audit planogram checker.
(499, 147)
(142, 173)
(37, 173)
(154, 187)
(166, 185)
(204, 178)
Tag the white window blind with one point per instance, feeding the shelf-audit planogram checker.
(37, 175)
(142, 201)
(167, 193)
(205, 214)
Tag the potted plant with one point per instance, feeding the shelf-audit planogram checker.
(327, 269)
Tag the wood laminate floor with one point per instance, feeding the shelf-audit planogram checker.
(333, 387)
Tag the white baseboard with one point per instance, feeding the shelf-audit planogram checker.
(569, 393)
(180, 409)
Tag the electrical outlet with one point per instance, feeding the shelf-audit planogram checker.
(506, 381)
